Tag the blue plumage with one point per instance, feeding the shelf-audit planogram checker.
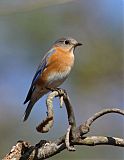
(39, 71)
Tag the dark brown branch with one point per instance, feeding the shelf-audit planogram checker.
(74, 136)
(70, 112)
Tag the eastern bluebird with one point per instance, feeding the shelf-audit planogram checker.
(52, 71)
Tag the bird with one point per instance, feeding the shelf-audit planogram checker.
(52, 71)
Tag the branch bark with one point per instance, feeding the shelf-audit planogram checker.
(74, 136)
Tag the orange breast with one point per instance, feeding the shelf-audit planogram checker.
(61, 59)
(58, 62)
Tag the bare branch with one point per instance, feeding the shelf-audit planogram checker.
(74, 136)
(84, 127)
(101, 113)
(67, 137)
(99, 140)
(48, 122)
(24, 151)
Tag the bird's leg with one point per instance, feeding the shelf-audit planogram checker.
(59, 90)
(51, 89)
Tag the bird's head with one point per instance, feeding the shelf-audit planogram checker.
(67, 43)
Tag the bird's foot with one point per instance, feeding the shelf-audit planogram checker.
(59, 90)
(61, 93)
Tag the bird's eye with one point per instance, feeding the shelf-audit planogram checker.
(67, 42)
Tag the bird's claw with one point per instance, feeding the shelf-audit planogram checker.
(61, 93)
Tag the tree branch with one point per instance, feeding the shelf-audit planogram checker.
(74, 136)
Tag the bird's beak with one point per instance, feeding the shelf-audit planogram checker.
(78, 44)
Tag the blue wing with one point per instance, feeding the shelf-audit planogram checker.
(39, 71)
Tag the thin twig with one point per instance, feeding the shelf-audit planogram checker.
(67, 138)
(84, 127)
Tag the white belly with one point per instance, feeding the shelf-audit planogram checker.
(56, 79)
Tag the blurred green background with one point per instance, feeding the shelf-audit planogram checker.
(27, 30)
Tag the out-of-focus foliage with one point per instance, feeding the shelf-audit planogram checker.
(27, 30)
